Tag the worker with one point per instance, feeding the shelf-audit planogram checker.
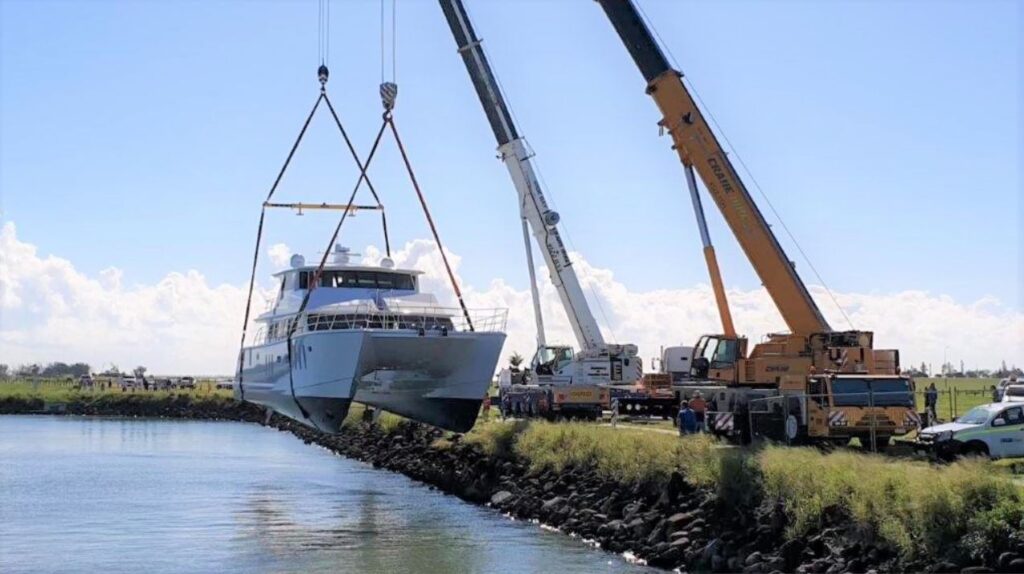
(506, 406)
(995, 395)
(687, 419)
(699, 407)
(931, 401)
(487, 405)
(615, 411)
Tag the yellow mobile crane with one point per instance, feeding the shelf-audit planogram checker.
(812, 383)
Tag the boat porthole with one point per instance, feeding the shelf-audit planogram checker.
(310, 348)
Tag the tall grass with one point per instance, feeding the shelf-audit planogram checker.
(621, 454)
(917, 507)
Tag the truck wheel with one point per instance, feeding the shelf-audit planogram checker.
(881, 443)
(975, 448)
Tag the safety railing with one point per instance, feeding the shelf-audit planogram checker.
(411, 318)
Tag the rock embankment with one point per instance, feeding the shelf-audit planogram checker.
(674, 525)
(180, 406)
(671, 525)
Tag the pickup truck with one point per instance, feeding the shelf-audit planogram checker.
(995, 430)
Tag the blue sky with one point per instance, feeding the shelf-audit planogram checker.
(143, 135)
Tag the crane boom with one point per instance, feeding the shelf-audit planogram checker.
(697, 146)
(516, 156)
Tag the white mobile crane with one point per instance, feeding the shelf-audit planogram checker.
(565, 374)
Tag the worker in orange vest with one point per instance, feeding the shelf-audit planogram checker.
(699, 407)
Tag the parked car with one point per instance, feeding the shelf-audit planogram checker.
(1001, 387)
(187, 383)
(128, 382)
(994, 430)
(1013, 394)
(225, 384)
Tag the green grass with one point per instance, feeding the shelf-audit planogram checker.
(915, 506)
(956, 396)
(627, 455)
(387, 421)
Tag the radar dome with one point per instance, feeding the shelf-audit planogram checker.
(297, 261)
(387, 263)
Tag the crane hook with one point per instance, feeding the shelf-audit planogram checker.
(388, 95)
(322, 74)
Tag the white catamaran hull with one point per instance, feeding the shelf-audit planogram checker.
(436, 379)
(432, 378)
(317, 390)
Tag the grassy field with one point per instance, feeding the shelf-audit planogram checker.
(956, 396)
(916, 506)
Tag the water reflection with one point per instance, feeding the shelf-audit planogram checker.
(89, 495)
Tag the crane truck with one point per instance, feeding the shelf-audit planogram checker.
(812, 384)
(559, 381)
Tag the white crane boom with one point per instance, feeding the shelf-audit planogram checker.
(516, 156)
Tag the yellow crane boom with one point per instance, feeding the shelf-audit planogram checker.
(697, 146)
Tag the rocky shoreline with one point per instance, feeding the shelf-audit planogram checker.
(673, 525)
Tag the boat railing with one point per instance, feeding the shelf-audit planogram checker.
(427, 318)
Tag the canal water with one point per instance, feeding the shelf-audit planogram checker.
(81, 494)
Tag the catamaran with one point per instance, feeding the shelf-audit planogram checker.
(369, 335)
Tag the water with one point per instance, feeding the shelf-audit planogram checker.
(126, 495)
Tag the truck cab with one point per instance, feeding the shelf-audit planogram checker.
(994, 430)
(551, 360)
(716, 356)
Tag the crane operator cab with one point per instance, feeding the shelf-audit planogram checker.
(715, 357)
(549, 360)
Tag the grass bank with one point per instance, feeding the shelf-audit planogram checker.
(27, 397)
(61, 391)
(971, 507)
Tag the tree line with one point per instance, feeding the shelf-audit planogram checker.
(58, 370)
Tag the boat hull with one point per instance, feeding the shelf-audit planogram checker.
(432, 378)
(315, 387)
(437, 379)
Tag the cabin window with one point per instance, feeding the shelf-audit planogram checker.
(304, 280)
(363, 280)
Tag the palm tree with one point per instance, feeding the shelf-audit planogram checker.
(515, 360)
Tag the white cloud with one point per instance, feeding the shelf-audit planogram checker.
(51, 312)
(182, 324)
(279, 255)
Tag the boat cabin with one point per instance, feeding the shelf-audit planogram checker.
(353, 297)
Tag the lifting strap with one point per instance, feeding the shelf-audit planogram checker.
(388, 92)
(323, 74)
(430, 220)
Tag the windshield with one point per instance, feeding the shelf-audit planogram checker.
(850, 392)
(361, 279)
(975, 416)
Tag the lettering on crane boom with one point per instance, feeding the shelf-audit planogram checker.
(734, 201)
